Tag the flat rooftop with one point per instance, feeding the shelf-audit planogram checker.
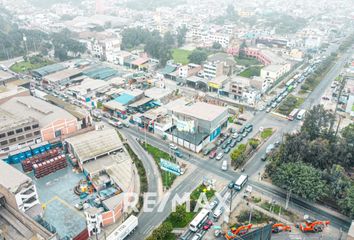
(11, 178)
(64, 74)
(36, 108)
(8, 120)
(201, 110)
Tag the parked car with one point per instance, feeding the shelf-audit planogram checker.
(212, 154)
(234, 136)
(233, 143)
(218, 142)
(173, 147)
(244, 134)
(178, 153)
(242, 130)
(268, 109)
(233, 130)
(264, 158)
(224, 146)
(227, 150)
(229, 141)
(274, 105)
(239, 138)
(219, 156)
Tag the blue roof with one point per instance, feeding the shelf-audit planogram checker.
(124, 99)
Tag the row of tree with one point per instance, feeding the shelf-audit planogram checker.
(155, 45)
(312, 162)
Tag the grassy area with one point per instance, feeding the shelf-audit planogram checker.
(181, 55)
(31, 63)
(289, 104)
(266, 133)
(277, 209)
(157, 154)
(251, 71)
(141, 172)
(181, 218)
(247, 61)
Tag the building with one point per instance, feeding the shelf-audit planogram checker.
(62, 78)
(265, 56)
(217, 83)
(17, 225)
(16, 131)
(189, 70)
(5, 77)
(46, 70)
(88, 88)
(238, 86)
(54, 122)
(213, 69)
(194, 125)
(107, 164)
(17, 188)
(274, 72)
(104, 47)
(261, 84)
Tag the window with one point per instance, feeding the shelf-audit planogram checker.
(3, 143)
(10, 133)
(21, 137)
(58, 133)
(27, 128)
(37, 132)
(35, 126)
(12, 140)
(20, 130)
(2, 135)
(28, 135)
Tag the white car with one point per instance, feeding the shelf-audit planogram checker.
(172, 146)
(217, 213)
(197, 236)
(224, 165)
(219, 156)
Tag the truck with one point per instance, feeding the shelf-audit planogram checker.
(125, 229)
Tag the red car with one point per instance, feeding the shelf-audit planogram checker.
(207, 225)
(212, 154)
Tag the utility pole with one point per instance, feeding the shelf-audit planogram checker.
(287, 199)
(250, 218)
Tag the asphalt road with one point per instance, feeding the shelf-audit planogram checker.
(149, 221)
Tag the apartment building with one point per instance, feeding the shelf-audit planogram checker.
(275, 71)
(16, 131)
(213, 69)
(188, 70)
(18, 189)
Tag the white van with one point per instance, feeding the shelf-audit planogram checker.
(301, 114)
(224, 165)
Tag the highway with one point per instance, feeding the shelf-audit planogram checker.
(149, 221)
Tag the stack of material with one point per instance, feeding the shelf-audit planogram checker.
(47, 167)
(27, 164)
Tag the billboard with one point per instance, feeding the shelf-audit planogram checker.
(184, 126)
(215, 134)
(170, 167)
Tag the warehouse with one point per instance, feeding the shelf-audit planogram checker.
(54, 122)
(194, 125)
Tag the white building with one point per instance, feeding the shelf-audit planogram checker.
(100, 48)
(18, 189)
(213, 69)
(275, 71)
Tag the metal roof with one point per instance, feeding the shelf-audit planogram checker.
(11, 178)
(95, 143)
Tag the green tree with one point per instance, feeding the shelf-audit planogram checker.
(216, 45)
(162, 232)
(169, 39)
(338, 182)
(197, 56)
(181, 35)
(301, 179)
(318, 123)
(347, 203)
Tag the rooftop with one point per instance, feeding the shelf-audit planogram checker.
(43, 71)
(157, 93)
(36, 108)
(64, 74)
(8, 120)
(273, 67)
(95, 143)
(201, 110)
(11, 178)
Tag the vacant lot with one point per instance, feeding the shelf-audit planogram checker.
(181, 55)
(251, 71)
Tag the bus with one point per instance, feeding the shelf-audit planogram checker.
(291, 81)
(199, 220)
(240, 182)
(125, 229)
(293, 114)
(301, 114)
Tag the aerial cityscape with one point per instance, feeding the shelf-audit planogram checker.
(176, 120)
